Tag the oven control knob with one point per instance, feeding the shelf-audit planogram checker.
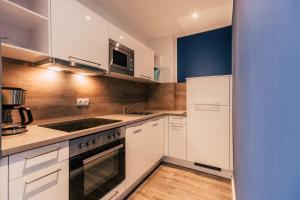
(82, 146)
(89, 144)
(109, 137)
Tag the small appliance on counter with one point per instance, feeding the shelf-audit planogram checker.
(15, 116)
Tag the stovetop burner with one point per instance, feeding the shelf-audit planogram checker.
(81, 124)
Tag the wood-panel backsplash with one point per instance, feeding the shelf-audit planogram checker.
(52, 95)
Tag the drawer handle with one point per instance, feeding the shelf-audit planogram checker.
(56, 171)
(177, 117)
(113, 195)
(155, 124)
(137, 131)
(75, 58)
(31, 157)
(177, 126)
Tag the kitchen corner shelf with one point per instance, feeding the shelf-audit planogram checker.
(15, 52)
(20, 16)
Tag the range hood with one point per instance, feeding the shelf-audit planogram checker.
(73, 65)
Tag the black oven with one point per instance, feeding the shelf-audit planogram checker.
(97, 164)
(121, 58)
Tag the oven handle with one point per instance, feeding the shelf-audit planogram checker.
(104, 153)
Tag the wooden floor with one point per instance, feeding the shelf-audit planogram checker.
(170, 182)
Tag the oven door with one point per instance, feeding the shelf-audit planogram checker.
(95, 173)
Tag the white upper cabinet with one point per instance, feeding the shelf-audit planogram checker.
(209, 90)
(78, 34)
(144, 62)
(25, 24)
(120, 36)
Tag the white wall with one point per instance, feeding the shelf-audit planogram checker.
(166, 46)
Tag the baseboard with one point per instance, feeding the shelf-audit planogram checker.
(183, 163)
(233, 188)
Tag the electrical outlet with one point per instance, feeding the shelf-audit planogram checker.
(83, 102)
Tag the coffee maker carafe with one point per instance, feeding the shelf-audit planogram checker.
(15, 116)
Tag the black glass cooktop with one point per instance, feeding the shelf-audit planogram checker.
(81, 124)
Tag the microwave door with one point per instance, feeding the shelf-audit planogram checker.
(119, 58)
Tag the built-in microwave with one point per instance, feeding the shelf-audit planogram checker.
(121, 58)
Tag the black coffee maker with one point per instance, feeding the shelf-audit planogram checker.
(15, 116)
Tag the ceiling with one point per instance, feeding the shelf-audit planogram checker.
(158, 18)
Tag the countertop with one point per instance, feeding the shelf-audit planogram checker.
(37, 136)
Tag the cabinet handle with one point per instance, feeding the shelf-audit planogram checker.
(177, 126)
(113, 195)
(137, 131)
(147, 77)
(177, 117)
(75, 58)
(155, 124)
(56, 171)
(31, 157)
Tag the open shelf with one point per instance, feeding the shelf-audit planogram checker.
(17, 15)
(15, 52)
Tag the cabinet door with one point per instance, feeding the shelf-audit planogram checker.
(208, 135)
(4, 178)
(47, 184)
(78, 34)
(166, 136)
(155, 144)
(135, 153)
(120, 36)
(212, 90)
(177, 141)
(144, 62)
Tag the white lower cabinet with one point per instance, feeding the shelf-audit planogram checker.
(47, 184)
(135, 148)
(4, 178)
(144, 148)
(166, 136)
(177, 141)
(155, 134)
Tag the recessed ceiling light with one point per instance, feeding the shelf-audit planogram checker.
(195, 15)
(88, 18)
(121, 37)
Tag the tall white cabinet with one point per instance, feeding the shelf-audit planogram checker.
(208, 121)
(78, 35)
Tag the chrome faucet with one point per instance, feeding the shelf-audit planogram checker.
(126, 108)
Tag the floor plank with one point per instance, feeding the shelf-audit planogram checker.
(170, 182)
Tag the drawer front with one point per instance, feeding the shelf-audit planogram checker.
(115, 193)
(34, 160)
(47, 184)
(177, 120)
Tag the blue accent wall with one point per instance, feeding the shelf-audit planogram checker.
(204, 54)
(267, 99)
